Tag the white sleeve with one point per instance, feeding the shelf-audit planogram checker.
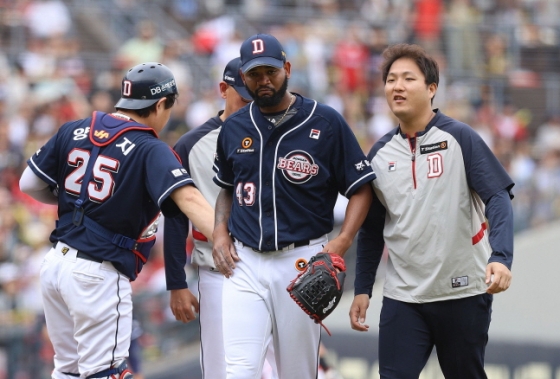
(32, 185)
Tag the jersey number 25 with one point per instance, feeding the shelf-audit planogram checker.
(102, 185)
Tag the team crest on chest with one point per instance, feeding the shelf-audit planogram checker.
(298, 166)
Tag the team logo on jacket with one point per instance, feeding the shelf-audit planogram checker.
(246, 144)
(101, 134)
(298, 166)
(300, 264)
(426, 149)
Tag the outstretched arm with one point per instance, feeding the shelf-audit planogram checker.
(191, 202)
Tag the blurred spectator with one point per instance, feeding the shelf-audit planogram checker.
(427, 23)
(510, 125)
(144, 47)
(350, 56)
(462, 37)
(47, 18)
(548, 134)
(37, 61)
(497, 62)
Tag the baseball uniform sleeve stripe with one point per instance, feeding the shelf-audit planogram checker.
(367, 178)
(170, 189)
(40, 173)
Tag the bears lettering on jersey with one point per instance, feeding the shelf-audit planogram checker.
(298, 166)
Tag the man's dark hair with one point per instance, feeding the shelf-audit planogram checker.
(145, 112)
(426, 63)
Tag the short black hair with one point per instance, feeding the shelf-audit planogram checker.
(426, 63)
(145, 112)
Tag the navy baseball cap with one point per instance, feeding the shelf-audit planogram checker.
(233, 78)
(261, 50)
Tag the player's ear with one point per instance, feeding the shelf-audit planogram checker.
(432, 88)
(223, 88)
(160, 105)
(287, 68)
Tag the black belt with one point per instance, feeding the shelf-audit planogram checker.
(301, 243)
(296, 244)
(81, 254)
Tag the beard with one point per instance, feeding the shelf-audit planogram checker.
(270, 101)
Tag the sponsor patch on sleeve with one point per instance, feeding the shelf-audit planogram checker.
(178, 172)
(361, 165)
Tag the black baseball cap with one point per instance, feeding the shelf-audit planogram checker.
(261, 50)
(233, 78)
(144, 84)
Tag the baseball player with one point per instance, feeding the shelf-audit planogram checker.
(281, 162)
(196, 149)
(443, 209)
(110, 175)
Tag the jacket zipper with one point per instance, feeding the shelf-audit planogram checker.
(413, 158)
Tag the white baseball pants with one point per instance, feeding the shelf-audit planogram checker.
(88, 309)
(256, 306)
(212, 356)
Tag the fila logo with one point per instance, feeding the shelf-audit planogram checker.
(392, 166)
(258, 46)
(101, 134)
(314, 134)
(127, 88)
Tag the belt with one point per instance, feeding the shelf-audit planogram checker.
(293, 245)
(87, 257)
(301, 243)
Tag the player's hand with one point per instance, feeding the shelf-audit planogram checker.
(358, 311)
(183, 304)
(498, 277)
(338, 245)
(224, 253)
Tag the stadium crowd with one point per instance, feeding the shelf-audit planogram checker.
(486, 48)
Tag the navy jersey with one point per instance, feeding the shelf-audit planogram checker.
(437, 194)
(196, 150)
(286, 179)
(132, 179)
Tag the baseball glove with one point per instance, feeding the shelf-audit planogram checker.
(318, 289)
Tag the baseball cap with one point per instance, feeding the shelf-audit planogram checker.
(261, 50)
(233, 78)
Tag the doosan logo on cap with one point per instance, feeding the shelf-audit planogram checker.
(233, 78)
(261, 50)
